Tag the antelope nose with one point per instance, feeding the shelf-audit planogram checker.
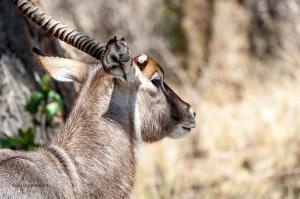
(193, 113)
(192, 118)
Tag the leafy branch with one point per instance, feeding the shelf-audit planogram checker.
(43, 106)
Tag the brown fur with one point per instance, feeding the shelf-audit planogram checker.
(150, 68)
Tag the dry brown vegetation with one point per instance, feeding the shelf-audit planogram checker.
(237, 62)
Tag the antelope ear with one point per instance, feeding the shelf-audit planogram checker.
(61, 69)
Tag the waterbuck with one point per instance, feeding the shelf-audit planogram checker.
(122, 102)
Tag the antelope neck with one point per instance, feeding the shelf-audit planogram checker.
(100, 133)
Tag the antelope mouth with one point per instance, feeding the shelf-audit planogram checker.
(189, 127)
(182, 131)
(186, 128)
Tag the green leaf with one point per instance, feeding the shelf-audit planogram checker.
(27, 139)
(24, 141)
(10, 142)
(32, 105)
(55, 96)
(51, 110)
(45, 83)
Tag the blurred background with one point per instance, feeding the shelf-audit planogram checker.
(236, 61)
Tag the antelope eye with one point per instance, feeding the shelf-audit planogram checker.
(156, 79)
(156, 82)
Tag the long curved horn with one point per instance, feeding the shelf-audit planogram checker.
(62, 32)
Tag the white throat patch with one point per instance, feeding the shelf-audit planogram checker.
(145, 84)
(138, 133)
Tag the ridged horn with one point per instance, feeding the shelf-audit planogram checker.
(60, 31)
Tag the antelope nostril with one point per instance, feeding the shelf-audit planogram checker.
(192, 112)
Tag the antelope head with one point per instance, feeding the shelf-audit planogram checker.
(159, 112)
(162, 112)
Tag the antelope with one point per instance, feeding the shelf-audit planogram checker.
(123, 101)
